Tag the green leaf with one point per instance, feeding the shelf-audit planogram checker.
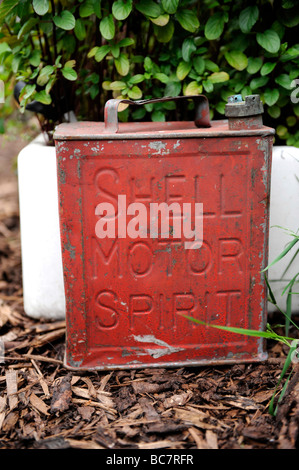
(4, 47)
(291, 121)
(107, 27)
(291, 53)
(161, 20)
(183, 69)
(138, 114)
(210, 65)
(80, 30)
(162, 77)
(199, 65)
(219, 77)
(121, 9)
(269, 40)
(6, 7)
(188, 20)
(237, 59)
(214, 26)
(27, 26)
(86, 9)
(170, 6)
(69, 73)
(148, 64)
(288, 3)
(135, 93)
(149, 8)
(93, 91)
(284, 81)
(44, 75)
(274, 111)
(43, 97)
(258, 82)
(40, 7)
(208, 86)
(281, 131)
(106, 85)
(220, 107)
(193, 88)
(92, 52)
(138, 78)
(271, 95)
(27, 91)
(158, 116)
(50, 84)
(248, 18)
(164, 33)
(188, 48)
(97, 8)
(115, 50)
(65, 20)
(254, 64)
(172, 88)
(35, 58)
(15, 63)
(122, 65)
(125, 42)
(267, 68)
(101, 52)
(117, 85)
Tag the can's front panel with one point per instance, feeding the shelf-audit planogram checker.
(126, 293)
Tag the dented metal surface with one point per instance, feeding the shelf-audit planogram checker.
(125, 296)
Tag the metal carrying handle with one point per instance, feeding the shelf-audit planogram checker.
(202, 111)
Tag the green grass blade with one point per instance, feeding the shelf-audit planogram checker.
(288, 310)
(241, 331)
(283, 372)
(290, 263)
(271, 295)
(290, 284)
(283, 253)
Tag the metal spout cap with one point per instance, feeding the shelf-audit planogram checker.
(236, 107)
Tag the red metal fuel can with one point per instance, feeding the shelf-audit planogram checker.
(161, 220)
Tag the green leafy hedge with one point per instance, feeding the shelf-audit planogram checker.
(89, 51)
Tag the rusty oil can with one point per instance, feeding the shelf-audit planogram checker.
(127, 286)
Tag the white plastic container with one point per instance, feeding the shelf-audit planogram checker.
(43, 287)
(284, 211)
(40, 238)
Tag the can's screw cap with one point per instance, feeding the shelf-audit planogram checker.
(236, 107)
(234, 99)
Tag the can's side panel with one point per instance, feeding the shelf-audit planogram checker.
(125, 293)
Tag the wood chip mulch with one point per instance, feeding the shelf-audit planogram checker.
(45, 406)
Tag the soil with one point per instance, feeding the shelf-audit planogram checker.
(45, 406)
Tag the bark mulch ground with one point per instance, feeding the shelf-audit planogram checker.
(45, 406)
